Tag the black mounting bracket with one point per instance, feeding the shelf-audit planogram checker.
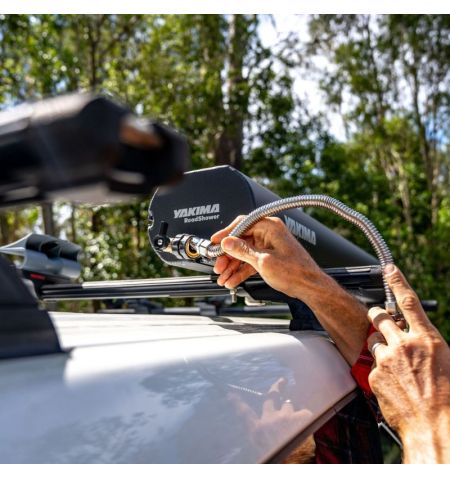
(25, 329)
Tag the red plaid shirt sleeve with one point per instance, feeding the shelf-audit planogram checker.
(362, 367)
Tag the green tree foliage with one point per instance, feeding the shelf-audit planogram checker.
(389, 77)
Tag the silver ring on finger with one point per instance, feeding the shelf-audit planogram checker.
(374, 346)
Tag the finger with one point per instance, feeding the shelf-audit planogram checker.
(407, 299)
(242, 408)
(383, 322)
(271, 229)
(279, 386)
(242, 274)
(271, 403)
(221, 264)
(233, 266)
(274, 400)
(402, 324)
(376, 338)
(240, 249)
(219, 235)
(287, 407)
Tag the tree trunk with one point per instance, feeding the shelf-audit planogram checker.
(427, 156)
(48, 219)
(73, 228)
(94, 33)
(230, 142)
(4, 229)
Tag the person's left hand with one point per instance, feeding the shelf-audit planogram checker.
(411, 376)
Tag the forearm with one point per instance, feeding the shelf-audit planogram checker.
(428, 442)
(340, 314)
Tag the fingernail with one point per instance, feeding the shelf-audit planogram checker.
(228, 244)
(389, 269)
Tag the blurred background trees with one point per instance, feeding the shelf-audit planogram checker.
(214, 78)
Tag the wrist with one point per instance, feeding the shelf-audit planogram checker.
(427, 440)
(310, 285)
(321, 292)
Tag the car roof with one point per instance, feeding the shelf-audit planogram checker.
(88, 329)
(169, 389)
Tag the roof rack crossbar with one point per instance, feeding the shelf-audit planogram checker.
(362, 281)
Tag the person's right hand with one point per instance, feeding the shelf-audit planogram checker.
(269, 249)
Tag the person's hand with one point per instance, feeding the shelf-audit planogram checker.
(269, 249)
(411, 376)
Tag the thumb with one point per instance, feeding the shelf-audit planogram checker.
(239, 249)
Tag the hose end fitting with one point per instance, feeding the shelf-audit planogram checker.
(391, 308)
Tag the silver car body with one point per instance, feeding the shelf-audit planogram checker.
(169, 389)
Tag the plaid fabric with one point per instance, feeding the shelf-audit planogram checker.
(351, 436)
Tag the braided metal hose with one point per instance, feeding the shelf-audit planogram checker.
(318, 200)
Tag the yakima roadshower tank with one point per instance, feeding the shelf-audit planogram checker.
(209, 199)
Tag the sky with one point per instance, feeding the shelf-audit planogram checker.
(272, 30)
